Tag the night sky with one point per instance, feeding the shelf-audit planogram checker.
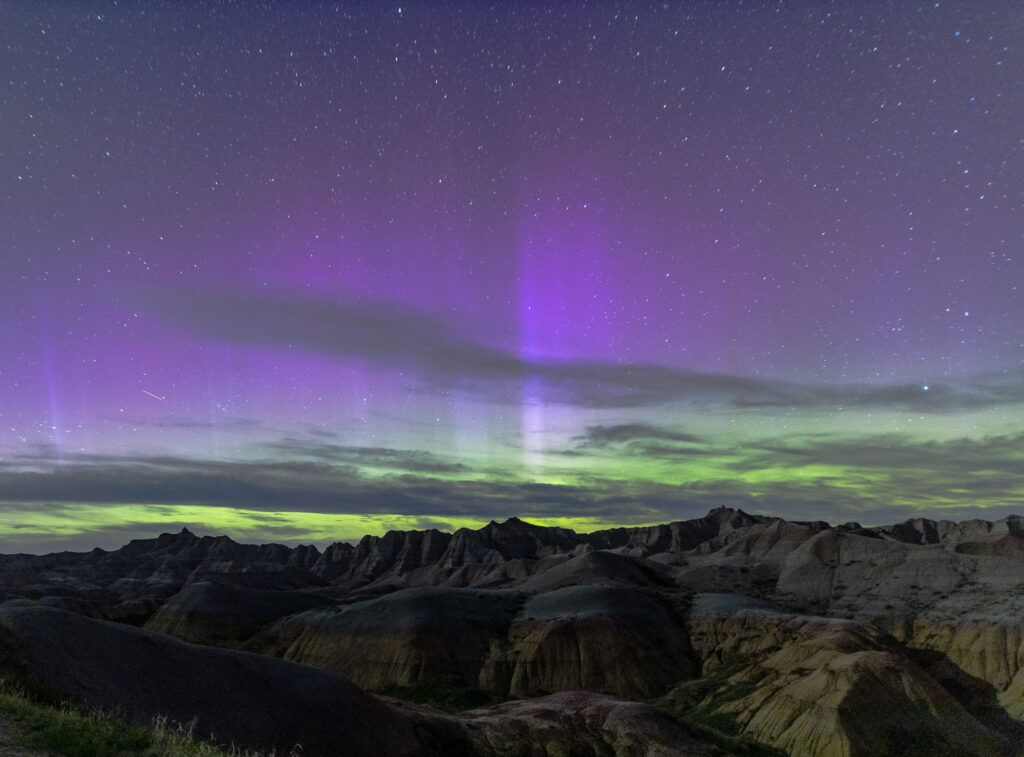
(299, 272)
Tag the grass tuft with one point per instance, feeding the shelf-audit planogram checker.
(71, 731)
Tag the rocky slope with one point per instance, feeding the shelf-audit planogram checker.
(827, 686)
(250, 700)
(257, 702)
(213, 612)
(502, 642)
(814, 639)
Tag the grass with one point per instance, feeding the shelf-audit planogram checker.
(689, 697)
(71, 731)
(696, 704)
(729, 744)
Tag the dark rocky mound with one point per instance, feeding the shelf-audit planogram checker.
(564, 640)
(208, 612)
(583, 723)
(502, 643)
(252, 701)
(414, 637)
(131, 582)
(258, 702)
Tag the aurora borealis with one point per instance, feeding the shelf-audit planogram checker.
(299, 272)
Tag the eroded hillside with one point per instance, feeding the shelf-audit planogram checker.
(730, 633)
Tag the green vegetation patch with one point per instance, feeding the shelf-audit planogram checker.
(68, 730)
(701, 698)
(697, 705)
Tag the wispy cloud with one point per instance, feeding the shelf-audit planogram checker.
(876, 480)
(893, 469)
(434, 353)
(625, 433)
(242, 425)
(287, 486)
(958, 457)
(364, 457)
(637, 440)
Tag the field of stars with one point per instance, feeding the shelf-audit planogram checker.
(299, 272)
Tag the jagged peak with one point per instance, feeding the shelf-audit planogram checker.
(339, 546)
(510, 523)
(722, 513)
(183, 536)
(169, 537)
(517, 526)
(918, 530)
(719, 509)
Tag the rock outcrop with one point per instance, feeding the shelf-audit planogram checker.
(583, 723)
(208, 612)
(563, 640)
(817, 687)
(423, 636)
(814, 639)
(253, 701)
(258, 702)
(500, 642)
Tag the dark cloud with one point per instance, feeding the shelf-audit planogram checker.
(226, 424)
(895, 468)
(327, 487)
(168, 480)
(370, 457)
(288, 486)
(961, 457)
(884, 478)
(602, 436)
(436, 355)
(637, 439)
(434, 503)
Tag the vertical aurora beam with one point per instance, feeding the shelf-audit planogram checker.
(532, 299)
(51, 377)
(566, 296)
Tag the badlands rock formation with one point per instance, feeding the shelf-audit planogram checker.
(503, 642)
(256, 702)
(733, 632)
